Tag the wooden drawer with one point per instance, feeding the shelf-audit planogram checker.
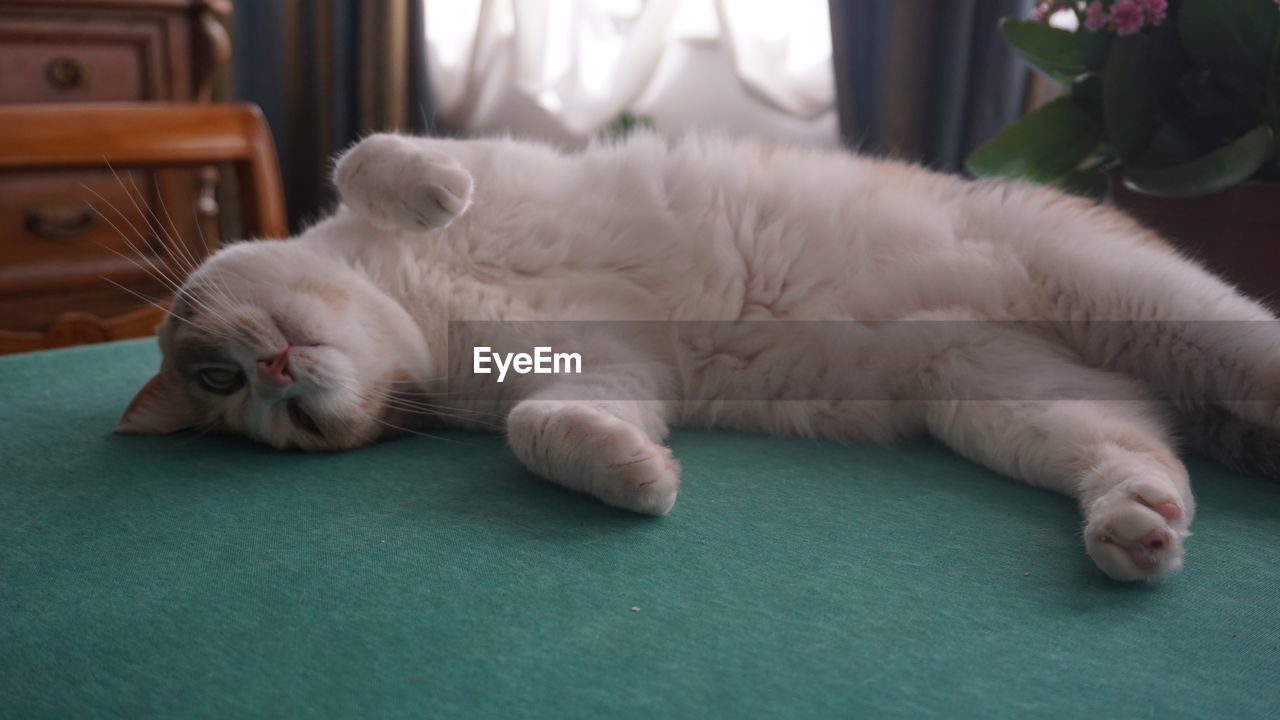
(59, 255)
(42, 312)
(52, 235)
(61, 55)
(58, 258)
(42, 72)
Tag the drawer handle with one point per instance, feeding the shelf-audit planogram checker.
(65, 73)
(61, 222)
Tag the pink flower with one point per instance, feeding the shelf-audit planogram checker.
(1127, 16)
(1046, 9)
(1095, 16)
(1156, 10)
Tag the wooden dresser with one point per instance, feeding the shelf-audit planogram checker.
(55, 246)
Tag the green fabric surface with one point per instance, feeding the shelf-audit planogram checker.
(199, 576)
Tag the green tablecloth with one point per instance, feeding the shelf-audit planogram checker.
(191, 576)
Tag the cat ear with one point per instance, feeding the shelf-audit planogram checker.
(160, 407)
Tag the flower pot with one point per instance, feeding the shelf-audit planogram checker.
(1235, 233)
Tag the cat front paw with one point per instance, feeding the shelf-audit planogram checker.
(648, 479)
(590, 450)
(399, 185)
(1136, 531)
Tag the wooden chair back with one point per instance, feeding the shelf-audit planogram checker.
(59, 137)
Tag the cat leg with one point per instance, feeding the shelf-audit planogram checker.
(1195, 340)
(399, 184)
(1114, 456)
(609, 449)
(1116, 461)
(1128, 301)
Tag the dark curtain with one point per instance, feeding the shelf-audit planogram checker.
(326, 72)
(924, 80)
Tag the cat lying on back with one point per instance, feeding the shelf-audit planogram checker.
(337, 337)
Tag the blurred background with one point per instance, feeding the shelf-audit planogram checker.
(1166, 109)
(925, 80)
(92, 251)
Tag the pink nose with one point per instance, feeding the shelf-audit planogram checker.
(1154, 540)
(275, 369)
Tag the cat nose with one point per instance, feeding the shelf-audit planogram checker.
(275, 369)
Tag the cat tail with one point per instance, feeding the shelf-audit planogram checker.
(1239, 444)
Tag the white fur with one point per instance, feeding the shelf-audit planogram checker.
(704, 228)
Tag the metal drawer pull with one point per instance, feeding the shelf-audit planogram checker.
(65, 73)
(61, 221)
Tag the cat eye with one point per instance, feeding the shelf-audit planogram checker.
(303, 419)
(220, 381)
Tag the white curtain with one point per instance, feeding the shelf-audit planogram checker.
(571, 67)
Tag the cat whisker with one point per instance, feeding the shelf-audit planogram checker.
(170, 243)
(444, 413)
(142, 238)
(393, 426)
(155, 303)
(218, 281)
(430, 381)
(457, 412)
(407, 399)
(172, 225)
(224, 291)
(473, 422)
(420, 408)
(160, 278)
(173, 248)
(200, 430)
(195, 212)
(156, 272)
(163, 280)
(159, 237)
(178, 291)
(430, 394)
(160, 274)
(248, 284)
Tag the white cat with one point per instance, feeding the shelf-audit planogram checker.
(1062, 340)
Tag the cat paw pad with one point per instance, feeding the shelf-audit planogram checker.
(1136, 532)
(438, 189)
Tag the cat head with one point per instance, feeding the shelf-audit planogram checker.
(280, 343)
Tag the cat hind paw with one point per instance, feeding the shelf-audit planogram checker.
(1136, 531)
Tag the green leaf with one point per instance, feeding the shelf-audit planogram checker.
(1048, 49)
(1086, 93)
(1128, 108)
(1234, 38)
(1202, 96)
(1216, 171)
(1090, 183)
(1043, 146)
(1169, 146)
(1092, 48)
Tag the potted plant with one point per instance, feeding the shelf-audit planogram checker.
(1172, 108)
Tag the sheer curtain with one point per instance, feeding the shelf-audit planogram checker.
(569, 68)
